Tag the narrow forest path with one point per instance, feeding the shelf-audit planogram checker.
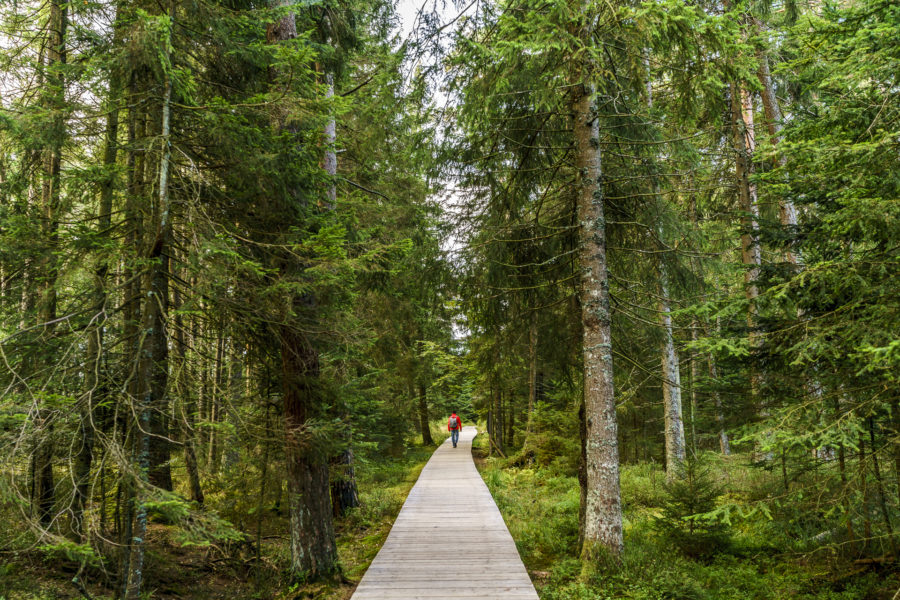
(449, 540)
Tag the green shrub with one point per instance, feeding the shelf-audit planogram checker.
(643, 485)
(689, 496)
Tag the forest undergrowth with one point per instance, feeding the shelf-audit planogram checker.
(231, 570)
(749, 545)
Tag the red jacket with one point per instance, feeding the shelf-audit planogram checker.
(458, 422)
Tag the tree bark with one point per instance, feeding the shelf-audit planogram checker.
(189, 405)
(532, 374)
(602, 511)
(724, 445)
(47, 267)
(497, 413)
(787, 212)
(152, 376)
(751, 256)
(671, 369)
(94, 386)
(344, 494)
(671, 385)
(330, 153)
(427, 440)
(313, 548)
(885, 513)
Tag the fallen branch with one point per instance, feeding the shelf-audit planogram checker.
(496, 447)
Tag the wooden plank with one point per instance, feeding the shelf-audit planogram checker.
(449, 540)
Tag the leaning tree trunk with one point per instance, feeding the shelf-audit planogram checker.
(602, 524)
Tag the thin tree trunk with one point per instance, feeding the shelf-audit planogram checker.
(671, 385)
(671, 371)
(786, 210)
(48, 267)
(745, 147)
(864, 484)
(263, 478)
(189, 405)
(509, 419)
(695, 374)
(92, 372)
(497, 430)
(532, 374)
(427, 440)
(330, 154)
(215, 400)
(724, 445)
(885, 514)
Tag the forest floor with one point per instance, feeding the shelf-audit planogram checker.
(231, 571)
(755, 556)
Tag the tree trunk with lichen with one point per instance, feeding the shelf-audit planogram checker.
(671, 385)
(602, 522)
(313, 546)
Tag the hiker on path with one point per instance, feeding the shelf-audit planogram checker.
(454, 424)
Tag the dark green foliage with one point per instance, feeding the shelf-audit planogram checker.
(685, 521)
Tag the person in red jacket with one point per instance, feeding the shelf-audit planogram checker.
(454, 424)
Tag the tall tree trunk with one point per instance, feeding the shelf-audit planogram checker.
(532, 374)
(671, 369)
(330, 153)
(695, 374)
(160, 473)
(751, 256)
(724, 445)
(864, 485)
(602, 511)
(94, 386)
(215, 400)
(882, 501)
(313, 548)
(189, 404)
(745, 146)
(152, 375)
(786, 210)
(427, 440)
(671, 385)
(47, 270)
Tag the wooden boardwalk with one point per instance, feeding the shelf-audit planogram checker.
(449, 540)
